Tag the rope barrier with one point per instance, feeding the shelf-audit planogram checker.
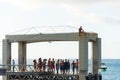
(51, 28)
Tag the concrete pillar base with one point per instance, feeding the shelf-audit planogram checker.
(82, 74)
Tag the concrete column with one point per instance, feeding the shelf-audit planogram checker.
(6, 55)
(22, 55)
(96, 59)
(83, 57)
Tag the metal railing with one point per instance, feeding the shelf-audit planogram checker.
(18, 68)
(32, 72)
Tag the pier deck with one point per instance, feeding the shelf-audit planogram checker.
(40, 76)
(29, 73)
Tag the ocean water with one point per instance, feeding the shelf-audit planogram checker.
(112, 72)
(113, 69)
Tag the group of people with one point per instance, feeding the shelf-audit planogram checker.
(59, 66)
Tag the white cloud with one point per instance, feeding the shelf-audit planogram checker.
(75, 8)
(98, 19)
(32, 4)
(25, 4)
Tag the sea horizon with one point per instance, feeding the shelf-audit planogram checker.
(31, 60)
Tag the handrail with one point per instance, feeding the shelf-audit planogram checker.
(23, 68)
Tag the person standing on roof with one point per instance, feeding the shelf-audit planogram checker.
(81, 29)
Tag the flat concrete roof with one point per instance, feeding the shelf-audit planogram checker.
(31, 38)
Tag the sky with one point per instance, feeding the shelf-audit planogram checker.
(100, 16)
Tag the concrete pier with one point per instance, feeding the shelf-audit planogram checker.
(83, 38)
(83, 57)
(6, 56)
(96, 58)
(6, 52)
(22, 54)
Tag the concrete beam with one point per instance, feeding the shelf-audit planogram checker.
(29, 38)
